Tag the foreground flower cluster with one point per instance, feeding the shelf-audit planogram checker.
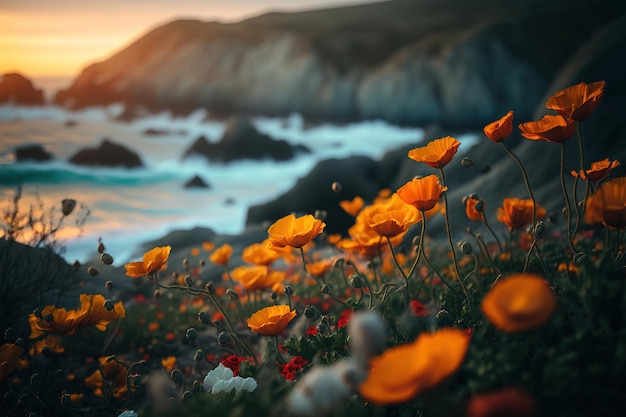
(521, 319)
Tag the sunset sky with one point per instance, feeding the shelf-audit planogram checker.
(58, 38)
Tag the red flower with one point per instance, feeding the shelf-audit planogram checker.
(419, 309)
(292, 367)
(311, 331)
(344, 319)
(233, 362)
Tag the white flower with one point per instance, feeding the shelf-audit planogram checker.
(222, 379)
(324, 387)
(128, 413)
(367, 335)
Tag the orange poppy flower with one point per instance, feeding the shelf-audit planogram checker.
(272, 320)
(404, 371)
(608, 204)
(517, 214)
(295, 231)
(319, 268)
(51, 342)
(9, 359)
(477, 216)
(422, 193)
(578, 101)
(257, 277)
(519, 302)
(221, 255)
(208, 246)
(154, 260)
(352, 207)
(500, 129)
(115, 374)
(557, 129)
(392, 223)
(169, 363)
(92, 312)
(599, 170)
(259, 254)
(437, 153)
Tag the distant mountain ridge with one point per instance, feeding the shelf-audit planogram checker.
(412, 62)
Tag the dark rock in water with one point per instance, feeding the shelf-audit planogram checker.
(197, 182)
(242, 141)
(17, 89)
(358, 175)
(107, 154)
(32, 153)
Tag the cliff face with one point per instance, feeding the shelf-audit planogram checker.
(404, 61)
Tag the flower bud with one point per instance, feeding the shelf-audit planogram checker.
(198, 355)
(67, 206)
(320, 214)
(45, 352)
(66, 400)
(232, 295)
(288, 290)
(49, 318)
(108, 285)
(136, 380)
(223, 338)
(415, 241)
(464, 199)
(35, 381)
(467, 162)
(177, 377)
(20, 342)
(92, 271)
(325, 289)
(202, 262)
(204, 317)
(336, 187)
(579, 258)
(339, 263)
(10, 335)
(101, 247)
(106, 259)
(187, 395)
(273, 296)
(322, 328)
(196, 387)
(356, 281)
(311, 312)
(188, 281)
(108, 304)
(540, 229)
(466, 247)
(191, 334)
(210, 288)
(158, 293)
(479, 206)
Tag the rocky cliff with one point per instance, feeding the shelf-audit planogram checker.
(406, 61)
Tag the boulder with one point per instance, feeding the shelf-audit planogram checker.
(34, 152)
(108, 154)
(197, 182)
(17, 89)
(241, 140)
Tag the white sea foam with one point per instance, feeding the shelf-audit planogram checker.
(130, 207)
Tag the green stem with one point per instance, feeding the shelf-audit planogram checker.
(492, 232)
(567, 202)
(421, 243)
(278, 355)
(526, 181)
(580, 214)
(306, 271)
(406, 278)
(449, 233)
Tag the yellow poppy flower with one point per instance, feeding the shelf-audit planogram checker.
(519, 302)
(92, 312)
(295, 231)
(404, 371)
(437, 153)
(154, 260)
(422, 193)
(259, 254)
(352, 207)
(221, 255)
(271, 321)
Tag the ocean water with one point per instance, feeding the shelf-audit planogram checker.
(132, 206)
